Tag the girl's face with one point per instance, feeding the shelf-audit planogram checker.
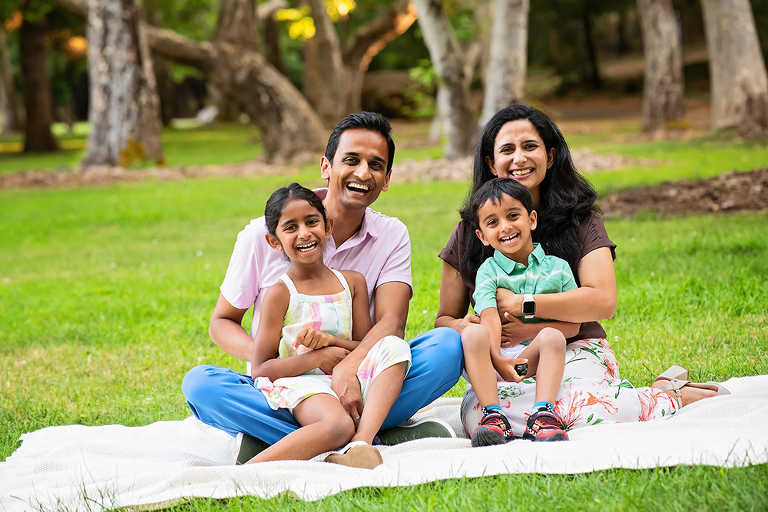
(520, 153)
(301, 232)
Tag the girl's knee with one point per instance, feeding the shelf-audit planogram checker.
(341, 427)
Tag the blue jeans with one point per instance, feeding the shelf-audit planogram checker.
(227, 400)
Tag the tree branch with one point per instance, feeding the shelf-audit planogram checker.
(369, 39)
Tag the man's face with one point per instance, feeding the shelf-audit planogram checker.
(358, 173)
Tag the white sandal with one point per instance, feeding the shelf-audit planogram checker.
(678, 379)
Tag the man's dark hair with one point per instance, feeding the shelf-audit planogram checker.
(367, 121)
(283, 196)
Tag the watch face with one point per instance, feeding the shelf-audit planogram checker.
(529, 308)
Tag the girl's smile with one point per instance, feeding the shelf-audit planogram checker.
(301, 232)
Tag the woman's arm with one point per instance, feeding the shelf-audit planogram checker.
(514, 331)
(454, 301)
(595, 300)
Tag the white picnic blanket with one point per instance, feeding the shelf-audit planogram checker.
(97, 468)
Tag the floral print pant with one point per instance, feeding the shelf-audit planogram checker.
(592, 393)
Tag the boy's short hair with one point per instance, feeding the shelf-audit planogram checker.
(493, 190)
(367, 121)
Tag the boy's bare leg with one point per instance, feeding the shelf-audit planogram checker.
(382, 394)
(546, 360)
(476, 343)
(326, 427)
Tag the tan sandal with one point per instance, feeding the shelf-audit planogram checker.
(357, 455)
(677, 378)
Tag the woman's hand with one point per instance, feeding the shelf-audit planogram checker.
(513, 330)
(506, 367)
(312, 338)
(508, 301)
(329, 357)
(463, 323)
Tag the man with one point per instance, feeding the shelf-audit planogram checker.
(357, 165)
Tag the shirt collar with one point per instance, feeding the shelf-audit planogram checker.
(367, 227)
(509, 266)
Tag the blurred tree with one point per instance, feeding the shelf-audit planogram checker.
(8, 104)
(337, 72)
(505, 78)
(663, 101)
(38, 100)
(166, 87)
(244, 78)
(124, 112)
(448, 60)
(736, 68)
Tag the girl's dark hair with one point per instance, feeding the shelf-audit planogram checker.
(283, 196)
(566, 198)
(492, 190)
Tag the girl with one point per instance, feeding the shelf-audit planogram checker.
(311, 319)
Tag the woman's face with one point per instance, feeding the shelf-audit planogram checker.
(519, 153)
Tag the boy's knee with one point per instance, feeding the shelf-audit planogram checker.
(475, 337)
(552, 339)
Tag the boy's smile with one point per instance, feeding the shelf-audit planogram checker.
(506, 226)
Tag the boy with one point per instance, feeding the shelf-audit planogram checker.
(504, 219)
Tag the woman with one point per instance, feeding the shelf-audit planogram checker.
(521, 142)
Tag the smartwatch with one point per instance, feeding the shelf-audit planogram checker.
(529, 306)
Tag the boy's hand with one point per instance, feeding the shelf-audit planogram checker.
(311, 338)
(329, 357)
(506, 367)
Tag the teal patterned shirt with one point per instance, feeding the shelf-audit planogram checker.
(544, 274)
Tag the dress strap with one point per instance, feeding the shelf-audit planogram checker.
(289, 283)
(342, 280)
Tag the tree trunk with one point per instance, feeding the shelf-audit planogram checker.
(736, 67)
(8, 105)
(505, 78)
(125, 110)
(329, 92)
(367, 41)
(284, 116)
(663, 101)
(272, 44)
(38, 100)
(589, 43)
(447, 58)
(237, 23)
(166, 87)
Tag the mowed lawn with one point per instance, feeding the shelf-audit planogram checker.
(105, 295)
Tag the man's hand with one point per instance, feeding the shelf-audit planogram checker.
(330, 357)
(311, 338)
(347, 387)
(506, 367)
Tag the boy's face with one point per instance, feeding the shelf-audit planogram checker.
(506, 226)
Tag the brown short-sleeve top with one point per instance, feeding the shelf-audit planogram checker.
(593, 236)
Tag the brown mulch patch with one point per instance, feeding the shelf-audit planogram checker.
(729, 192)
(104, 175)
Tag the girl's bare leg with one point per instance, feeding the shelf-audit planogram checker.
(326, 427)
(476, 343)
(546, 360)
(382, 394)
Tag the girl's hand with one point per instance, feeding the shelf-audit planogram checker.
(467, 321)
(506, 367)
(513, 331)
(312, 338)
(329, 357)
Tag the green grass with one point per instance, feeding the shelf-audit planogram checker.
(105, 295)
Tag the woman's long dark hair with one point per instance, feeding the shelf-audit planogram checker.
(566, 198)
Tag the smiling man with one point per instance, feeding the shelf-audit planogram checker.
(357, 165)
